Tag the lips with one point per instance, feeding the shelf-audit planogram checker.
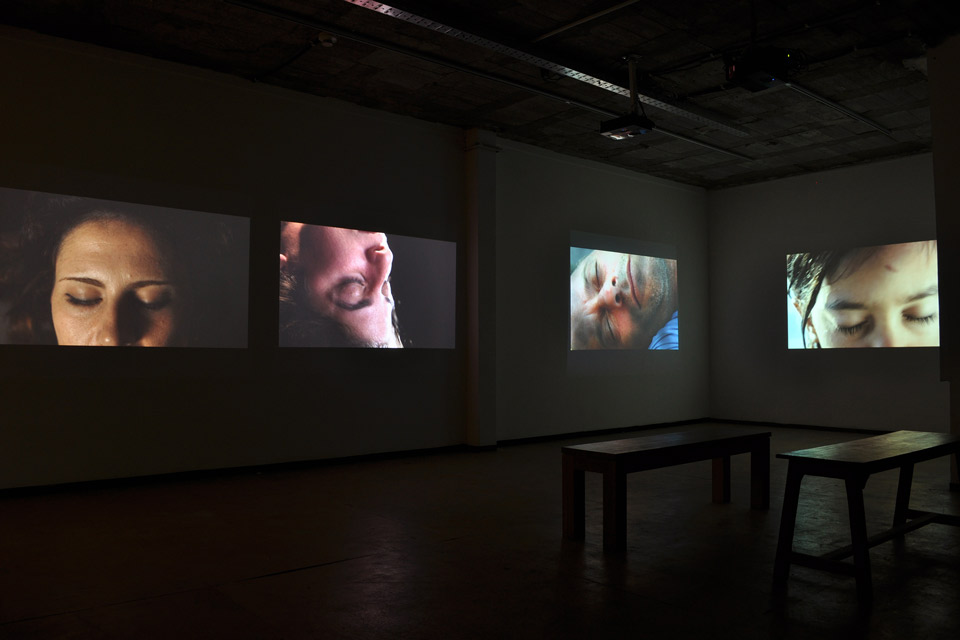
(633, 285)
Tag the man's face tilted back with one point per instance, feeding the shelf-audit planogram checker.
(620, 301)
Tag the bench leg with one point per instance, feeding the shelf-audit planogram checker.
(955, 471)
(903, 495)
(788, 521)
(614, 508)
(573, 499)
(721, 480)
(858, 535)
(760, 475)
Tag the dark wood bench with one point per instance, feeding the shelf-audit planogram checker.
(854, 462)
(616, 458)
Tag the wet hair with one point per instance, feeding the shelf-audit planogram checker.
(199, 252)
(806, 273)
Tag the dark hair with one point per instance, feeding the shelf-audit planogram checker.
(300, 326)
(199, 250)
(807, 271)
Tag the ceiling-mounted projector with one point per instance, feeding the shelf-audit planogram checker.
(634, 123)
(628, 126)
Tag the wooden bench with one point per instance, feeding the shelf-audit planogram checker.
(616, 458)
(854, 462)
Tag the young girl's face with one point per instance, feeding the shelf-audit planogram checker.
(890, 300)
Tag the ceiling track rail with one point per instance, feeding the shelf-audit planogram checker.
(840, 108)
(380, 44)
(585, 20)
(543, 63)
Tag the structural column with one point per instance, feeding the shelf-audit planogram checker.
(943, 62)
(481, 218)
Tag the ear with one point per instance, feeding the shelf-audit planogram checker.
(283, 262)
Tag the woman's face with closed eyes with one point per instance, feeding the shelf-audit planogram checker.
(112, 287)
(347, 278)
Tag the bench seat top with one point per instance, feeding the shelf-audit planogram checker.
(660, 442)
(878, 453)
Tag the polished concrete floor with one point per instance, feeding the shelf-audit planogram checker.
(462, 545)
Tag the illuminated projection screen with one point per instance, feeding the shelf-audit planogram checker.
(623, 295)
(85, 272)
(880, 296)
(351, 288)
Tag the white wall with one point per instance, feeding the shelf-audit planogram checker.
(541, 198)
(752, 228)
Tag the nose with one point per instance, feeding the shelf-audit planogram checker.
(121, 325)
(106, 333)
(380, 261)
(886, 335)
(610, 295)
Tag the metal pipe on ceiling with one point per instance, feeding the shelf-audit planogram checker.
(406, 16)
(839, 107)
(389, 46)
(585, 20)
(543, 63)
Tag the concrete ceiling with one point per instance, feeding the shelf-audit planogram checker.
(548, 72)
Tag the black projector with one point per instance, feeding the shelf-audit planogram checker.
(626, 126)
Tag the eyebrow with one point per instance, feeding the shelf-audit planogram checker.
(849, 305)
(346, 306)
(98, 283)
(844, 305)
(932, 290)
(92, 281)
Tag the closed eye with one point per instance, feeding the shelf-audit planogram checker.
(853, 330)
(350, 294)
(606, 335)
(601, 334)
(83, 302)
(161, 302)
(613, 335)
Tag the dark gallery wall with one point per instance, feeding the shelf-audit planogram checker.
(86, 121)
(541, 386)
(99, 123)
(943, 62)
(753, 375)
(92, 122)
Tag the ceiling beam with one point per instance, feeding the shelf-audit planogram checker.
(585, 20)
(389, 46)
(560, 69)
